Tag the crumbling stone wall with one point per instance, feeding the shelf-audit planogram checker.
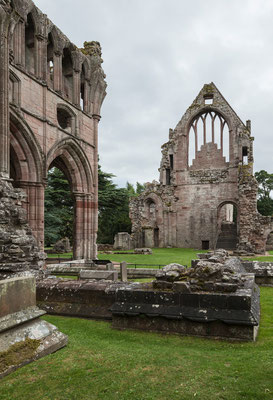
(51, 94)
(254, 227)
(18, 248)
(190, 198)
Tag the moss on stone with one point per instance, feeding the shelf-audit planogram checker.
(18, 353)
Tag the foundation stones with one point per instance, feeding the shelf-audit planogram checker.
(143, 251)
(215, 298)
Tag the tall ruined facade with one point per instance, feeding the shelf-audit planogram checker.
(51, 93)
(206, 196)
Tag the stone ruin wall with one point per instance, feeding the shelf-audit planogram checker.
(51, 94)
(18, 248)
(184, 209)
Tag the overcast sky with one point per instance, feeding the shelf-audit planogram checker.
(157, 56)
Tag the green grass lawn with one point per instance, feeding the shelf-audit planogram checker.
(102, 363)
(159, 256)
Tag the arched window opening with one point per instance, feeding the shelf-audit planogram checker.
(245, 155)
(151, 210)
(66, 118)
(209, 127)
(191, 146)
(227, 226)
(50, 60)
(30, 45)
(59, 206)
(67, 67)
(83, 90)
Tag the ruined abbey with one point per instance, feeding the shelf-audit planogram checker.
(207, 194)
(51, 93)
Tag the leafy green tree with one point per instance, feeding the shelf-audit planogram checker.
(113, 207)
(58, 208)
(265, 201)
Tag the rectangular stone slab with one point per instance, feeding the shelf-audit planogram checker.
(16, 294)
(227, 315)
(106, 275)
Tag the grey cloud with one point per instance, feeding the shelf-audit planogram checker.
(158, 54)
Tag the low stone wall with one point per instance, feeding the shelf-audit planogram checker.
(263, 271)
(80, 298)
(233, 316)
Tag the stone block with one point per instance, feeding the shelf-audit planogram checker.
(123, 272)
(17, 294)
(106, 275)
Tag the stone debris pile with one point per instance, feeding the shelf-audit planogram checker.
(215, 272)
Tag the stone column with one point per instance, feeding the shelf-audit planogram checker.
(96, 119)
(5, 20)
(78, 226)
(35, 209)
(39, 56)
(76, 87)
(57, 71)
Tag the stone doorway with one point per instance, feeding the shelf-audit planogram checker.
(227, 235)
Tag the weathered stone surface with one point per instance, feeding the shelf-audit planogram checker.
(62, 246)
(215, 273)
(89, 299)
(123, 272)
(18, 249)
(194, 203)
(143, 251)
(17, 294)
(23, 336)
(47, 82)
(123, 241)
(232, 316)
(263, 271)
(46, 337)
(98, 275)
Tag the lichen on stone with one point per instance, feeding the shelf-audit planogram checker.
(18, 353)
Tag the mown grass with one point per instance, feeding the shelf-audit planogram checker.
(159, 257)
(102, 363)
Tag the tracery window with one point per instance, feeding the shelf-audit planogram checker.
(209, 127)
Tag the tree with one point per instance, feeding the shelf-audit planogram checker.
(265, 201)
(59, 207)
(113, 207)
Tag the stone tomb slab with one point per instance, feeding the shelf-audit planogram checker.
(99, 275)
(23, 336)
(232, 316)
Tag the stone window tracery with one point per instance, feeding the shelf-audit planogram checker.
(209, 127)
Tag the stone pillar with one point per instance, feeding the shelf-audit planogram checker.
(57, 72)
(86, 102)
(78, 224)
(76, 87)
(123, 271)
(96, 119)
(35, 209)
(5, 20)
(39, 57)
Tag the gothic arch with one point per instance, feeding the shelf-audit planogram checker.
(26, 166)
(209, 127)
(76, 164)
(27, 150)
